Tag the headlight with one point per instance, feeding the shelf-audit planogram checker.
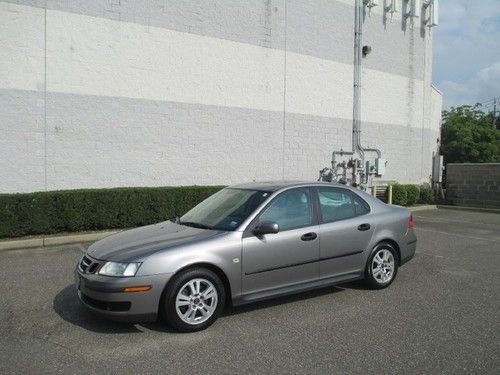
(119, 269)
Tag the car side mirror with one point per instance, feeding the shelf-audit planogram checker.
(266, 228)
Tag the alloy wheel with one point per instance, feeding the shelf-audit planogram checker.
(196, 301)
(383, 266)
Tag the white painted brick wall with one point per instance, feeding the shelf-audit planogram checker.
(133, 104)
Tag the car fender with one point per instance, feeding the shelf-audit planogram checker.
(224, 254)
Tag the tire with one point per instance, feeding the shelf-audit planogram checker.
(379, 275)
(193, 300)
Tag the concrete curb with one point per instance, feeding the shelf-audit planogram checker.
(21, 244)
(463, 208)
(54, 240)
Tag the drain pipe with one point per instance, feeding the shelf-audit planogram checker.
(358, 51)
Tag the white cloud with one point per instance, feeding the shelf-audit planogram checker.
(484, 86)
(466, 51)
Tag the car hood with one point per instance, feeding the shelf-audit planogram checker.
(136, 244)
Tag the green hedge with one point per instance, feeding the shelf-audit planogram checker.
(409, 195)
(80, 210)
(399, 195)
(427, 195)
(413, 194)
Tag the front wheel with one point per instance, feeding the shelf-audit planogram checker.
(193, 300)
(382, 266)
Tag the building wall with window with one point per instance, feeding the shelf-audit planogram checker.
(106, 93)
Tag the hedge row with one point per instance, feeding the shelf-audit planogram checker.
(409, 195)
(80, 210)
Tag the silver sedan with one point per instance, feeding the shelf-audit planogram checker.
(243, 244)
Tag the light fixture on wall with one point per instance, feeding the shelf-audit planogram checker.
(391, 6)
(431, 9)
(370, 3)
(412, 8)
(366, 50)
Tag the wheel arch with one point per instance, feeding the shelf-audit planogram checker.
(211, 267)
(394, 244)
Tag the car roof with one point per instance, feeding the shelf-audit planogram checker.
(277, 185)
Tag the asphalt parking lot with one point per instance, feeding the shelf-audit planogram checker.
(441, 315)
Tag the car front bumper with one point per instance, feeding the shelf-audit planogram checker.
(104, 296)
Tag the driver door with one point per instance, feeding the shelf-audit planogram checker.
(288, 257)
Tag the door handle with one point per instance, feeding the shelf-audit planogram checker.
(365, 226)
(309, 236)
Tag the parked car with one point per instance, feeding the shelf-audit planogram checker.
(243, 244)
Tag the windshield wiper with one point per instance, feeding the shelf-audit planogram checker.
(194, 225)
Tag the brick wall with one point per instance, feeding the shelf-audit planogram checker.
(473, 185)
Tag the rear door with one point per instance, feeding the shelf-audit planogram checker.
(345, 230)
(289, 256)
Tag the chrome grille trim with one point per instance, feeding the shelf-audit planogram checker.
(87, 265)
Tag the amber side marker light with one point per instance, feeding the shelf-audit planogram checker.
(134, 289)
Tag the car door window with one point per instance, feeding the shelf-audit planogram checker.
(291, 209)
(339, 204)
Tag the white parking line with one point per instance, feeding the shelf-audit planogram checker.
(429, 254)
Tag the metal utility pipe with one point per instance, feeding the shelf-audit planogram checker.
(356, 107)
(341, 153)
(358, 51)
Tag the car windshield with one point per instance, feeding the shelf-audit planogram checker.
(225, 210)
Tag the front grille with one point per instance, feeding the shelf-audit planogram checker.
(87, 265)
(104, 305)
(93, 267)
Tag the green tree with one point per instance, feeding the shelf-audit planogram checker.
(468, 136)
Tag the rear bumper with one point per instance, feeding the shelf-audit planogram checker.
(408, 247)
(104, 296)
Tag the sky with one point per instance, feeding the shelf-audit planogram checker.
(466, 57)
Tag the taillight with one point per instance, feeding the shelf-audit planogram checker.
(410, 222)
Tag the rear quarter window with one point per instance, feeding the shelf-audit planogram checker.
(339, 204)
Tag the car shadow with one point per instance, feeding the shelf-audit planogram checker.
(67, 305)
(302, 296)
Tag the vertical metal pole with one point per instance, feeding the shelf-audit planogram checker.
(358, 40)
(389, 195)
(357, 147)
(494, 113)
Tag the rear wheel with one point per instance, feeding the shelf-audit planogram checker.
(193, 300)
(382, 266)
